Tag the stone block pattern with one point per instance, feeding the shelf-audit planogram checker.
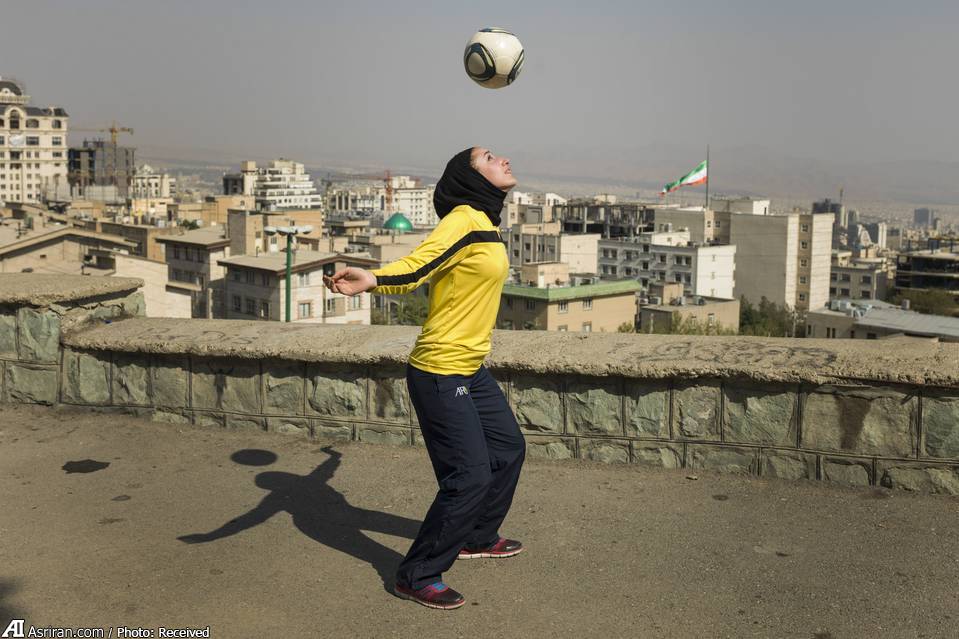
(86, 377)
(860, 420)
(647, 408)
(389, 397)
(338, 391)
(696, 410)
(760, 414)
(538, 404)
(594, 407)
(940, 420)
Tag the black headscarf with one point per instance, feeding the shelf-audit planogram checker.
(462, 184)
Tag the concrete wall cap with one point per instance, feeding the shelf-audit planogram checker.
(816, 361)
(41, 289)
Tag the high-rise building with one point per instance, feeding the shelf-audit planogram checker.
(281, 185)
(98, 163)
(33, 151)
(838, 210)
(923, 217)
(784, 258)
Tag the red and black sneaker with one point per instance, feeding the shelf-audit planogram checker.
(501, 548)
(435, 595)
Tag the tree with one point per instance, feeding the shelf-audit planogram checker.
(413, 310)
(929, 302)
(626, 327)
(768, 319)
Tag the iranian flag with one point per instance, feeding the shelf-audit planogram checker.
(694, 177)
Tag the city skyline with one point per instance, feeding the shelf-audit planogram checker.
(619, 92)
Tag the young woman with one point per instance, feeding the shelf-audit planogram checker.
(472, 437)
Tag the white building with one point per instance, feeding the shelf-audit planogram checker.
(33, 146)
(409, 197)
(784, 258)
(147, 183)
(670, 257)
(255, 288)
(283, 184)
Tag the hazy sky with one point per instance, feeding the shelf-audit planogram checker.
(382, 83)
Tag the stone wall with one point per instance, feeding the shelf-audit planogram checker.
(36, 310)
(859, 414)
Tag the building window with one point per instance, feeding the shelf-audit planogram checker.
(844, 292)
(802, 279)
(867, 279)
(508, 301)
(305, 310)
(804, 228)
(802, 297)
(250, 306)
(57, 140)
(237, 303)
(265, 310)
(562, 328)
(176, 252)
(530, 305)
(57, 124)
(866, 295)
(711, 319)
(804, 244)
(588, 304)
(265, 279)
(719, 224)
(250, 275)
(302, 279)
(563, 306)
(587, 327)
(33, 123)
(33, 140)
(329, 306)
(803, 262)
(356, 303)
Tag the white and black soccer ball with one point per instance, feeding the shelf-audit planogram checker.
(493, 58)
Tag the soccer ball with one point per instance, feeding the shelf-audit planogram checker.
(493, 58)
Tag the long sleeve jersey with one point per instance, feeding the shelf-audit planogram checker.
(464, 259)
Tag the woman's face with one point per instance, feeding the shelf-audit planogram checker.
(495, 169)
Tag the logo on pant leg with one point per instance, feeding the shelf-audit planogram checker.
(461, 390)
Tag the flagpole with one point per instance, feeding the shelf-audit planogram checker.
(707, 176)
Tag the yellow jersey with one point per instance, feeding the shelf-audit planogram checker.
(464, 259)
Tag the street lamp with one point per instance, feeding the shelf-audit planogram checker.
(289, 232)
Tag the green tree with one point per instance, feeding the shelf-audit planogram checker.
(929, 302)
(626, 327)
(768, 319)
(412, 310)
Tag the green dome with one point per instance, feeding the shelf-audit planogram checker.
(398, 222)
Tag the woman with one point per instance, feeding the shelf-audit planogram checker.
(472, 437)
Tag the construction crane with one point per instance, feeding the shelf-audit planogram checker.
(114, 132)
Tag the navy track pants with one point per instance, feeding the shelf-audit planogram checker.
(477, 451)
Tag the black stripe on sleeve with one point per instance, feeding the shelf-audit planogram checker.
(472, 237)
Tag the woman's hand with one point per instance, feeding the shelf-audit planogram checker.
(350, 281)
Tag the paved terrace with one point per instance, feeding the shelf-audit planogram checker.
(301, 545)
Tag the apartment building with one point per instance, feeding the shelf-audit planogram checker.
(194, 269)
(147, 183)
(283, 184)
(928, 269)
(610, 220)
(255, 288)
(596, 306)
(670, 256)
(545, 242)
(784, 258)
(33, 145)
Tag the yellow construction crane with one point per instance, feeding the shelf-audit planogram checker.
(113, 129)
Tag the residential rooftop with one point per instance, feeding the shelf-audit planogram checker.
(211, 236)
(560, 293)
(302, 260)
(879, 314)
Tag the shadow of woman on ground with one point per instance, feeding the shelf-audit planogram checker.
(319, 512)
